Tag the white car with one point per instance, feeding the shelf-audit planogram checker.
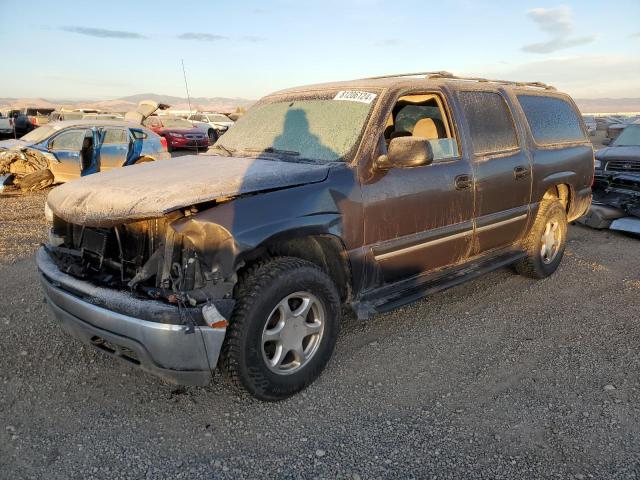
(213, 124)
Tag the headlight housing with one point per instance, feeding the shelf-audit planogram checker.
(597, 164)
(177, 135)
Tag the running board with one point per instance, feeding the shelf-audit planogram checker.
(408, 291)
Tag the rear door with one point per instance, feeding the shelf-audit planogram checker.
(114, 148)
(502, 169)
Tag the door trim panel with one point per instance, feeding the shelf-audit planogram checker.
(421, 240)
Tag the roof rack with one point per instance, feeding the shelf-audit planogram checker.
(451, 76)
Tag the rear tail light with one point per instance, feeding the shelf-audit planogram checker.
(11, 122)
(163, 142)
(33, 120)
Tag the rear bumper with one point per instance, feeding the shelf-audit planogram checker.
(162, 349)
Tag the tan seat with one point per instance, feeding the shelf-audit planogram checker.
(426, 128)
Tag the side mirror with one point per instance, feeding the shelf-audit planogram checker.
(606, 141)
(406, 152)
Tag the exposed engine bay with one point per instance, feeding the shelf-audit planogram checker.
(148, 257)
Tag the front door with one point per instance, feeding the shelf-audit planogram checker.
(420, 219)
(66, 146)
(502, 170)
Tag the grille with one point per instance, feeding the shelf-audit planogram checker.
(623, 166)
(195, 137)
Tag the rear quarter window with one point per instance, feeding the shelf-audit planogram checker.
(552, 120)
(490, 122)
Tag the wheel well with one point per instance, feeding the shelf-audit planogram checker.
(325, 251)
(561, 192)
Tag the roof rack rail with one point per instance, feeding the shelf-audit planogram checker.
(451, 76)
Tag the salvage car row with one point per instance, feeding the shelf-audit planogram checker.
(82, 142)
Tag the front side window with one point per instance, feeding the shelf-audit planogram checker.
(423, 116)
(552, 120)
(70, 140)
(490, 122)
(320, 129)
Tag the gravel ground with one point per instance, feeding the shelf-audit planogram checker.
(502, 377)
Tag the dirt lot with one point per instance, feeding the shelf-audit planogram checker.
(503, 377)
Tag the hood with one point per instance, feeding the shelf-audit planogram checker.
(619, 153)
(150, 190)
(144, 110)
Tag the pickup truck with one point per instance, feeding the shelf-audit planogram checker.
(367, 195)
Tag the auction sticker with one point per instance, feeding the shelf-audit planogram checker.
(355, 96)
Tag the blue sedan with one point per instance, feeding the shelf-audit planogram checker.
(75, 148)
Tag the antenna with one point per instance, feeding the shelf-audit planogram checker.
(186, 86)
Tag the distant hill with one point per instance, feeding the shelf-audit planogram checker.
(125, 104)
(225, 104)
(608, 105)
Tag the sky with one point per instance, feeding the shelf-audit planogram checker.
(100, 50)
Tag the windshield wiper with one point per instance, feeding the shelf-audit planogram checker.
(292, 153)
(228, 151)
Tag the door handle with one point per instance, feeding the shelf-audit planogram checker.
(462, 182)
(520, 172)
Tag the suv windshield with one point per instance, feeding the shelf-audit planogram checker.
(39, 134)
(319, 130)
(630, 136)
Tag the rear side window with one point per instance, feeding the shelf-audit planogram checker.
(490, 122)
(552, 120)
(115, 136)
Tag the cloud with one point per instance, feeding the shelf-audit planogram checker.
(389, 42)
(587, 76)
(557, 22)
(201, 37)
(636, 35)
(557, 44)
(102, 33)
(253, 38)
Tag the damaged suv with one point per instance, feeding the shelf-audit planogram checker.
(368, 194)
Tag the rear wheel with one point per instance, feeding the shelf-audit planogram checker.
(546, 241)
(283, 329)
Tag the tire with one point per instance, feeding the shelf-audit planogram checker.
(213, 136)
(551, 221)
(254, 364)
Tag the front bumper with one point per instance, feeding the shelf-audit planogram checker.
(166, 350)
(187, 142)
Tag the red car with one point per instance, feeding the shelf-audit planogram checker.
(178, 132)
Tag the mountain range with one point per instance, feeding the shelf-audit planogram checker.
(125, 104)
(228, 105)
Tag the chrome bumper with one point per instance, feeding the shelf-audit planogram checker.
(163, 349)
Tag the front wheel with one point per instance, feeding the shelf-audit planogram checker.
(283, 329)
(546, 241)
